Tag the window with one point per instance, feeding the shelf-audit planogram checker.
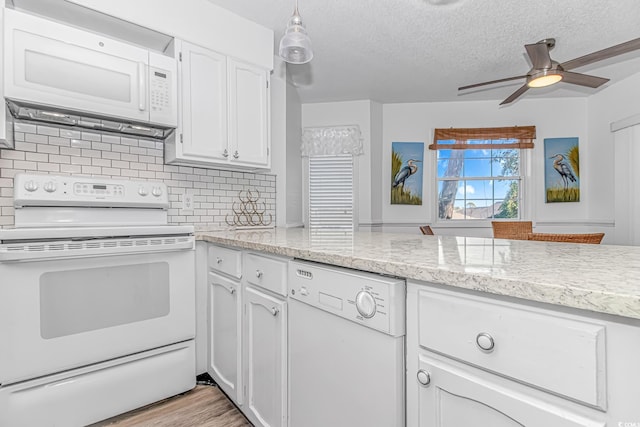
(331, 193)
(479, 172)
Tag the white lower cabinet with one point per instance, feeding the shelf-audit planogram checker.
(455, 395)
(265, 355)
(485, 361)
(247, 332)
(224, 320)
(477, 361)
(225, 335)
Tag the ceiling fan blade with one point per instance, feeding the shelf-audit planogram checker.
(539, 55)
(582, 79)
(515, 94)
(492, 82)
(603, 54)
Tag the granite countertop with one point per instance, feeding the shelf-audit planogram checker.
(600, 278)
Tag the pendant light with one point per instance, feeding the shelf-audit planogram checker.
(295, 45)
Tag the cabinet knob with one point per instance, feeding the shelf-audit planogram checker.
(258, 274)
(236, 155)
(423, 377)
(225, 153)
(232, 291)
(274, 311)
(218, 260)
(485, 342)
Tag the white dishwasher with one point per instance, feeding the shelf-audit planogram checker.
(346, 347)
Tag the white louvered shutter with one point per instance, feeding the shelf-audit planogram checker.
(331, 192)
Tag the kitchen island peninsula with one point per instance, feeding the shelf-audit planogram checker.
(498, 332)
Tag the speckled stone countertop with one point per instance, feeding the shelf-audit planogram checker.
(600, 278)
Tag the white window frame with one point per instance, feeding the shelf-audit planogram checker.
(525, 189)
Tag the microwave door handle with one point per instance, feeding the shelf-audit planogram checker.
(142, 86)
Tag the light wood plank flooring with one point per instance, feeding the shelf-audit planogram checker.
(204, 406)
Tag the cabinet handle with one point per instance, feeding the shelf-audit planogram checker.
(258, 274)
(218, 260)
(485, 342)
(423, 377)
(236, 155)
(232, 290)
(142, 86)
(225, 153)
(274, 311)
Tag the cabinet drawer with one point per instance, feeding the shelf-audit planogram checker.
(224, 260)
(563, 355)
(267, 273)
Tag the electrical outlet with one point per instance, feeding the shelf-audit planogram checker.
(187, 202)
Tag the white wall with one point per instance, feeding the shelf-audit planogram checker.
(377, 179)
(278, 123)
(294, 160)
(586, 118)
(614, 103)
(415, 123)
(286, 131)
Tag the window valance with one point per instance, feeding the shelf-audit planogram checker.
(476, 138)
(331, 140)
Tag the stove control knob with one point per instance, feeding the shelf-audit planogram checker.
(31, 186)
(142, 191)
(366, 304)
(157, 191)
(50, 187)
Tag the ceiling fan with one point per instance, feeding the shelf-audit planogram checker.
(546, 71)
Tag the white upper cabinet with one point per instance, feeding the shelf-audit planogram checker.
(224, 112)
(203, 105)
(248, 114)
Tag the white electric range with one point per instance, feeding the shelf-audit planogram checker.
(97, 301)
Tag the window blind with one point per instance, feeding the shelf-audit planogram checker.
(470, 138)
(331, 192)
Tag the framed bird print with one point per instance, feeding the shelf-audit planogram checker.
(561, 170)
(406, 173)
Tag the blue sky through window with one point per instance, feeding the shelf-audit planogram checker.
(479, 183)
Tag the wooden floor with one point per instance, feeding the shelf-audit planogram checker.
(204, 406)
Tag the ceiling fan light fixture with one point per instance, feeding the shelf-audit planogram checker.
(544, 78)
(295, 45)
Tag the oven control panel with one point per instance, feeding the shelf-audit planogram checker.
(64, 190)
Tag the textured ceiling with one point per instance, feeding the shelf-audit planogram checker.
(423, 50)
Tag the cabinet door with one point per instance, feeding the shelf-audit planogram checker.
(248, 115)
(265, 358)
(203, 106)
(457, 397)
(225, 314)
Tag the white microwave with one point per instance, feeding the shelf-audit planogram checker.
(47, 63)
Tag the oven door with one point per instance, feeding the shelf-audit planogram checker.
(67, 312)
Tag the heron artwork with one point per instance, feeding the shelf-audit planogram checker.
(406, 175)
(562, 170)
(410, 169)
(561, 166)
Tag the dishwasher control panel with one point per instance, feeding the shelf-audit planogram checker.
(370, 299)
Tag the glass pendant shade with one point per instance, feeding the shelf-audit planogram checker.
(295, 45)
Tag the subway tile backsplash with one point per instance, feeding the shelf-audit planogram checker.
(51, 149)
